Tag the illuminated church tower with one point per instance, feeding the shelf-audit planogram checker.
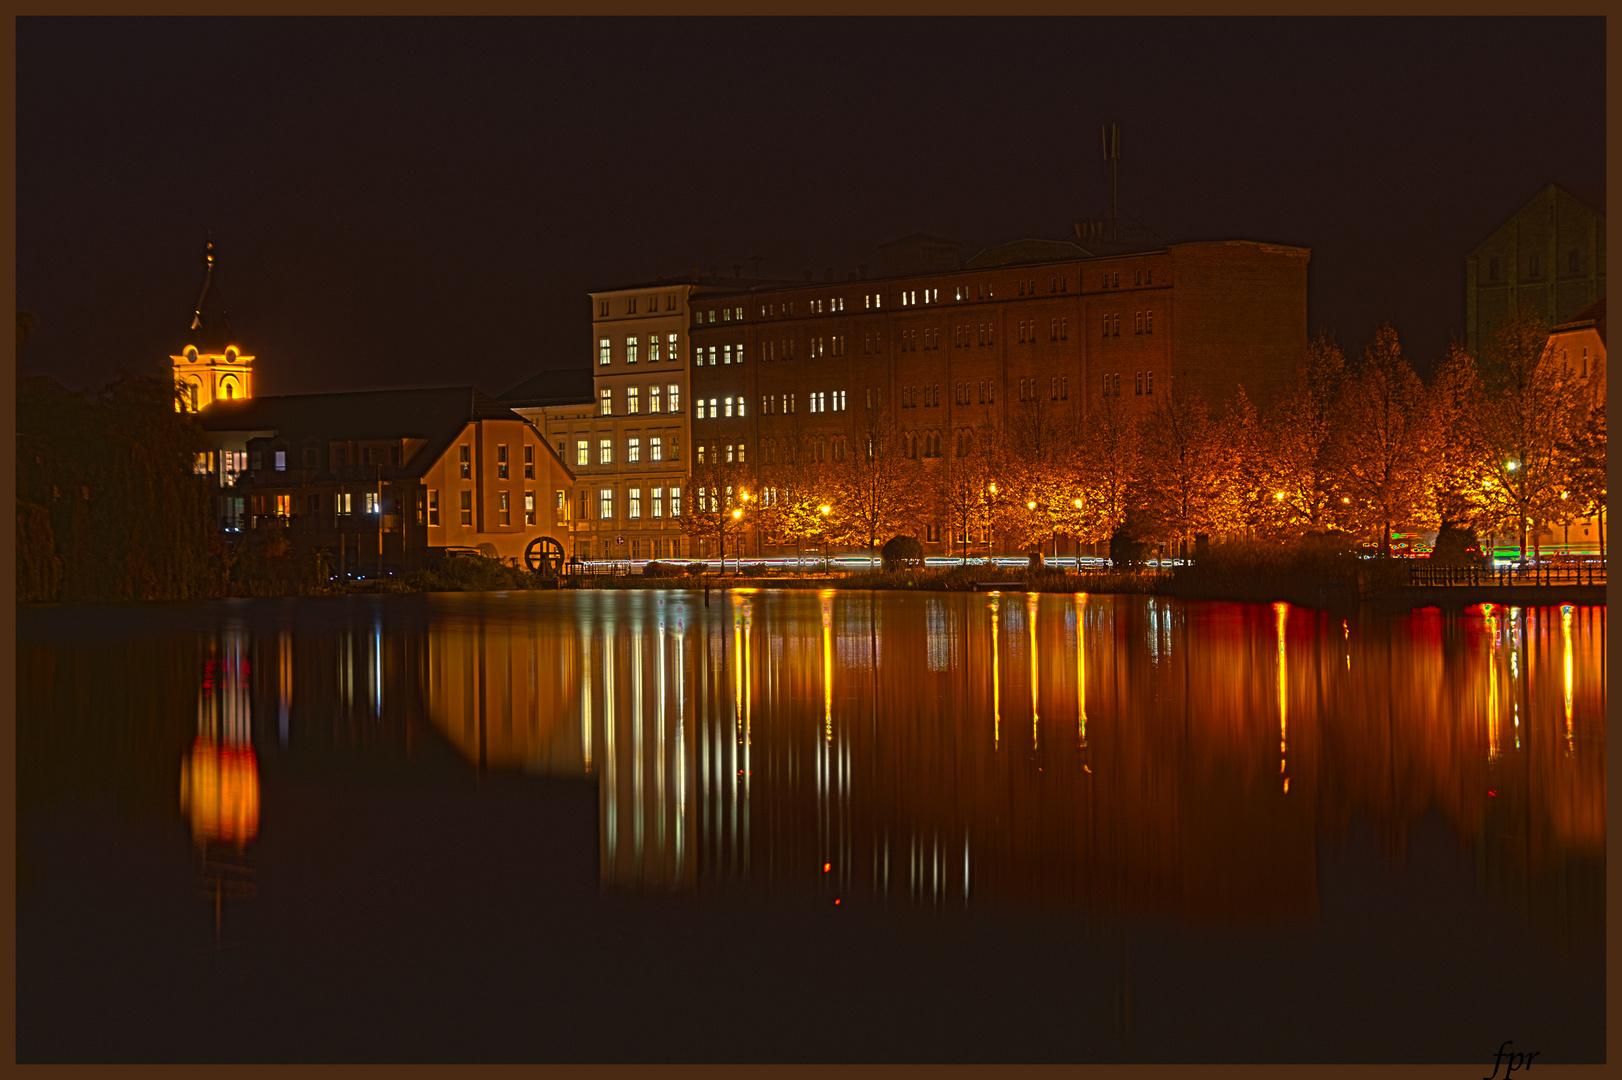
(211, 367)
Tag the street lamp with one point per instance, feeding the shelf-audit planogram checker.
(823, 510)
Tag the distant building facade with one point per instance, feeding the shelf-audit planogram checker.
(623, 422)
(783, 373)
(384, 480)
(1548, 259)
(1579, 343)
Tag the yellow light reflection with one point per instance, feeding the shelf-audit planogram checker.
(1282, 612)
(1031, 601)
(1081, 670)
(827, 666)
(1492, 688)
(996, 680)
(1565, 633)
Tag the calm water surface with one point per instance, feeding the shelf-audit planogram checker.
(792, 826)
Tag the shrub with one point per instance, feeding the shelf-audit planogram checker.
(1126, 551)
(1456, 545)
(901, 552)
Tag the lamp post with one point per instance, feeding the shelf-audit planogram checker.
(824, 510)
(991, 517)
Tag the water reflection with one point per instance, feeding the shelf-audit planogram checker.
(1190, 759)
(835, 748)
(219, 774)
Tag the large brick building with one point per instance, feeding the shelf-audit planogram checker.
(785, 372)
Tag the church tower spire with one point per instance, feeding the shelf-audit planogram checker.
(212, 367)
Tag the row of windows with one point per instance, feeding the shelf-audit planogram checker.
(658, 449)
(1143, 322)
(909, 396)
(728, 314)
(656, 503)
(817, 449)
(503, 507)
(719, 452)
(1112, 278)
(1143, 383)
(650, 306)
(1058, 388)
(710, 410)
(464, 460)
(669, 401)
(726, 354)
(634, 350)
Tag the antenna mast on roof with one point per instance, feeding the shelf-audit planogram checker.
(1112, 154)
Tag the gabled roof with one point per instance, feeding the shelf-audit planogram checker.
(210, 330)
(559, 386)
(436, 415)
(1029, 250)
(1592, 315)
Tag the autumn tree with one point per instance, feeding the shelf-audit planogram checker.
(1107, 466)
(1182, 470)
(715, 507)
(965, 480)
(1458, 459)
(1380, 450)
(867, 486)
(1585, 453)
(1530, 406)
(1297, 432)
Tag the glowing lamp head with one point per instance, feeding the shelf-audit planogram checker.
(822, 509)
(737, 513)
(1511, 465)
(1030, 506)
(1076, 503)
(1345, 499)
(1278, 495)
(994, 489)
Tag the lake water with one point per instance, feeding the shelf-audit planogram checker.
(801, 826)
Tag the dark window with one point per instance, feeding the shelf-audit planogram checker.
(1571, 262)
(315, 504)
(1492, 268)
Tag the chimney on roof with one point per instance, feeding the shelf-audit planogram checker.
(850, 275)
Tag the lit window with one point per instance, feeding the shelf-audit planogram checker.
(433, 506)
(630, 347)
(604, 349)
(670, 346)
(501, 461)
(605, 451)
(605, 503)
(467, 508)
(633, 449)
(653, 348)
(658, 501)
(605, 402)
(504, 514)
(726, 354)
(581, 456)
(713, 413)
(653, 399)
(674, 393)
(654, 449)
(675, 502)
(632, 406)
(529, 508)
(633, 503)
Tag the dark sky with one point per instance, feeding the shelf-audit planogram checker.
(408, 203)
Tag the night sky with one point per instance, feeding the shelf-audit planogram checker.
(414, 203)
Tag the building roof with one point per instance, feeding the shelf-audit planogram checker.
(1592, 315)
(210, 330)
(436, 415)
(559, 386)
(1030, 250)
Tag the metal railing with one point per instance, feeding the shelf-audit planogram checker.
(1587, 572)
